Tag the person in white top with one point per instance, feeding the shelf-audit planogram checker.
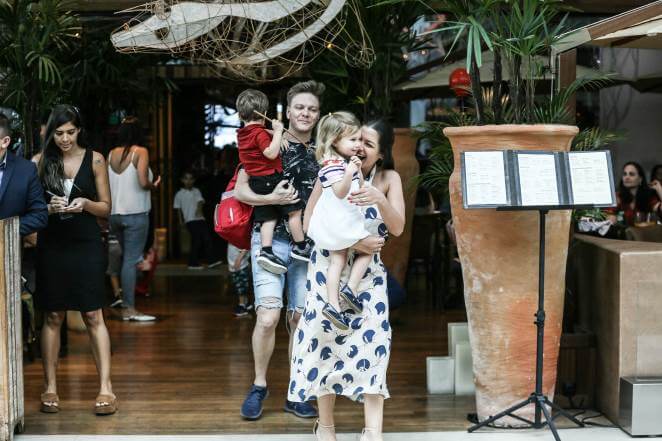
(189, 203)
(130, 186)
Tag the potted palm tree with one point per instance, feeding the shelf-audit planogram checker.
(499, 250)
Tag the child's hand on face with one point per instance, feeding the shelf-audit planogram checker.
(354, 164)
(277, 126)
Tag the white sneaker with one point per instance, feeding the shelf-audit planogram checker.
(197, 267)
(140, 317)
(215, 264)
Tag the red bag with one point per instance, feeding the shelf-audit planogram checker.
(232, 218)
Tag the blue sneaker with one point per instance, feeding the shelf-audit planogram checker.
(335, 317)
(252, 407)
(302, 410)
(353, 301)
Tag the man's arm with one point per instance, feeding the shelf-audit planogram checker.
(35, 217)
(280, 195)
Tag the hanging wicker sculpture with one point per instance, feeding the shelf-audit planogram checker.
(251, 40)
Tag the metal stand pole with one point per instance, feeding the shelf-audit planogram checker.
(537, 398)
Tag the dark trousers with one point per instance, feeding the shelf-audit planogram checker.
(200, 242)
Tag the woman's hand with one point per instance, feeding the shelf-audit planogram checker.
(76, 206)
(370, 245)
(156, 183)
(57, 204)
(284, 194)
(367, 195)
(657, 187)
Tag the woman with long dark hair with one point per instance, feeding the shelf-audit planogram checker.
(326, 362)
(71, 261)
(130, 186)
(635, 195)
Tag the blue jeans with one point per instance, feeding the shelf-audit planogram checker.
(268, 287)
(131, 232)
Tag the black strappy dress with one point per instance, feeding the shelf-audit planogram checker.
(71, 261)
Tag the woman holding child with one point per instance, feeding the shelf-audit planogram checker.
(328, 359)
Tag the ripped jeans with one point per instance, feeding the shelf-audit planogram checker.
(269, 288)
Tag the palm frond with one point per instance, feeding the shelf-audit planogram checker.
(595, 138)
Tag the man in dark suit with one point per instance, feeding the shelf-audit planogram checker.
(21, 193)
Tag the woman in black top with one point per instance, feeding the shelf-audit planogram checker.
(70, 256)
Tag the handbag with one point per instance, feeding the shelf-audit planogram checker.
(232, 218)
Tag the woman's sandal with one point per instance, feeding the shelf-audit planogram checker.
(366, 429)
(317, 425)
(50, 403)
(105, 405)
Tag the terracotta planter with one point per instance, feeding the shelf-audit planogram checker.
(395, 253)
(499, 256)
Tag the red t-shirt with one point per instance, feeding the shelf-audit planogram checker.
(253, 139)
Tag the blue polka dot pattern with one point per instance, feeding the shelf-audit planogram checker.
(312, 374)
(351, 362)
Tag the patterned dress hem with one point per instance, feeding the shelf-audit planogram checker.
(354, 397)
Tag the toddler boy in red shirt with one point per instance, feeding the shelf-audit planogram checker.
(259, 153)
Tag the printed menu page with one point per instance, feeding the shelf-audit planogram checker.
(589, 176)
(537, 178)
(485, 178)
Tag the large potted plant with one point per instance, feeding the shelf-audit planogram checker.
(499, 250)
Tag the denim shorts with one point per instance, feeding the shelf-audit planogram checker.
(268, 287)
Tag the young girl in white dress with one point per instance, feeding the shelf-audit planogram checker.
(336, 224)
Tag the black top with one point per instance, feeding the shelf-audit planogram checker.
(71, 261)
(299, 167)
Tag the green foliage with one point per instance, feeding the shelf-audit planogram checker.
(47, 57)
(517, 31)
(548, 111)
(367, 92)
(35, 39)
(555, 110)
(597, 214)
(595, 138)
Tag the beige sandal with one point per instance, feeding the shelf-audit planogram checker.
(105, 405)
(317, 425)
(366, 429)
(50, 402)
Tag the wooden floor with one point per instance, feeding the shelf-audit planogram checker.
(188, 372)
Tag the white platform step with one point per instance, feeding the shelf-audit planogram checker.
(487, 435)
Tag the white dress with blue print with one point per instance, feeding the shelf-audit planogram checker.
(327, 360)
